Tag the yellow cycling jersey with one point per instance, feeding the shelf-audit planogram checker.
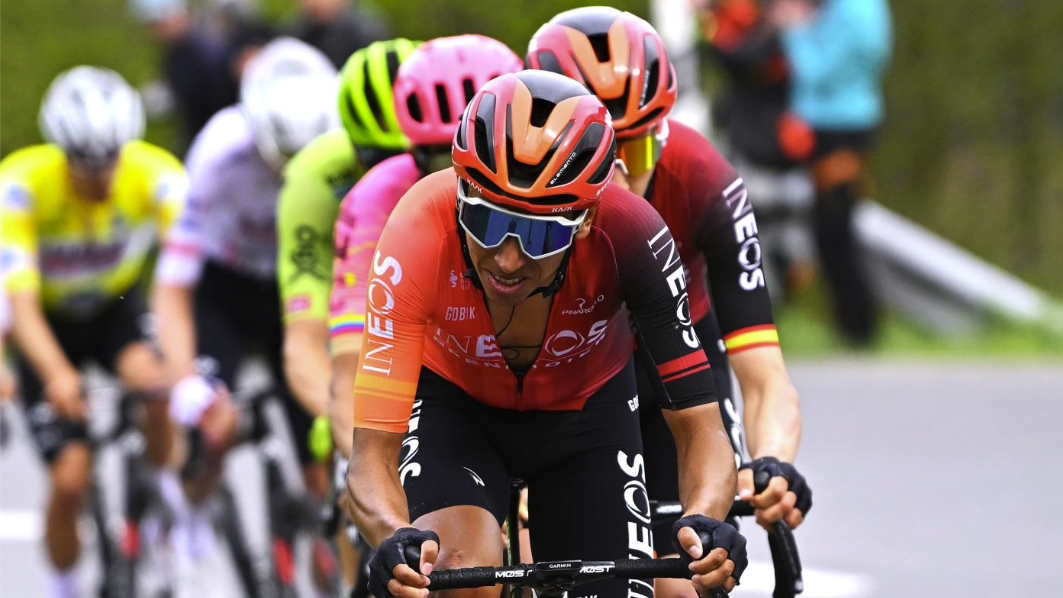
(80, 254)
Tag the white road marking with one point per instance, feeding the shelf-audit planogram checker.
(20, 526)
(759, 579)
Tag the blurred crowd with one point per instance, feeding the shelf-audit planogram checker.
(206, 47)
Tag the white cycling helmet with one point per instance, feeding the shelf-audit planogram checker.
(91, 113)
(288, 93)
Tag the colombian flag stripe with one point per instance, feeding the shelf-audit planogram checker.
(346, 323)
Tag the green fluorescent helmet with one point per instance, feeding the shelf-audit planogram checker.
(365, 100)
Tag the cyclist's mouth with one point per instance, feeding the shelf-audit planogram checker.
(506, 284)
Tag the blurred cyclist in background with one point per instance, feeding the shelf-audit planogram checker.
(432, 88)
(78, 217)
(8, 384)
(195, 63)
(216, 291)
(315, 181)
(622, 59)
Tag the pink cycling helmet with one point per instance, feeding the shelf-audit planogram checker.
(438, 80)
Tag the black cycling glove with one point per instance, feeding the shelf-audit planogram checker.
(769, 467)
(391, 553)
(713, 534)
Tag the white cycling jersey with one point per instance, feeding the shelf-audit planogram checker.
(230, 216)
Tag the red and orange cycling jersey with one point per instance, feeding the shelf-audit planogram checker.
(704, 202)
(422, 308)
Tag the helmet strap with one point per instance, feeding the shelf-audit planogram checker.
(559, 277)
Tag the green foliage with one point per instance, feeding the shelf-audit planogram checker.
(41, 38)
(805, 331)
(974, 130)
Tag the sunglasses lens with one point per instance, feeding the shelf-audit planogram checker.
(641, 154)
(538, 238)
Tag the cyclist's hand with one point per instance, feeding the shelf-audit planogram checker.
(63, 391)
(389, 572)
(787, 494)
(191, 397)
(220, 418)
(725, 561)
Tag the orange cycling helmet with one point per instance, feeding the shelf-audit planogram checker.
(617, 55)
(536, 141)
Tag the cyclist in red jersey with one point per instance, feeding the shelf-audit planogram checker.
(497, 345)
(704, 202)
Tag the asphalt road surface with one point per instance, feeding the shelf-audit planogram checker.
(930, 478)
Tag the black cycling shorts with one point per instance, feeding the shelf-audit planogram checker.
(100, 338)
(236, 314)
(587, 497)
(662, 467)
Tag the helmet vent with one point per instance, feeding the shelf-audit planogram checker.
(352, 111)
(600, 44)
(581, 155)
(618, 106)
(605, 167)
(469, 89)
(371, 99)
(653, 71)
(484, 133)
(392, 60)
(540, 111)
(444, 104)
(414, 107)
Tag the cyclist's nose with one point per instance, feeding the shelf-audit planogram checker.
(509, 256)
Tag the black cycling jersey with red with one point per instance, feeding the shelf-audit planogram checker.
(704, 202)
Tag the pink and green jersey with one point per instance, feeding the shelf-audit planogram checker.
(363, 213)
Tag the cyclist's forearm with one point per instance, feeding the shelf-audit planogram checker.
(707, 476)
(306, 364)
(341, 400)
(172, 305)
(34, 337)
(375, 499)
(772, 414)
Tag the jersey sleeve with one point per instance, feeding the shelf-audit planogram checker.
(167, 183)
(401, 289)
(18, 230)
(181, 259)
(653, 283)
(727, 234)
(349, 271)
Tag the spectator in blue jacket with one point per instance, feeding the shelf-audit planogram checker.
(837, 51)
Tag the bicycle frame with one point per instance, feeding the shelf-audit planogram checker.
(119, 544)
